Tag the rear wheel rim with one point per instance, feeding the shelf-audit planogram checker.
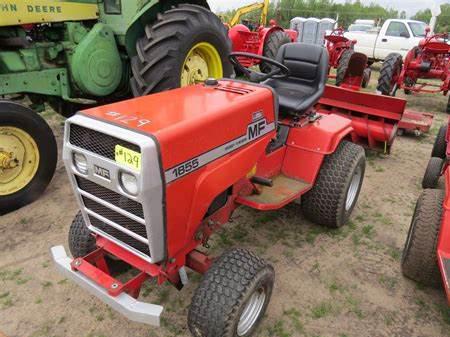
(353, 188)
(202, 62)
(251, 312)
(19, 159)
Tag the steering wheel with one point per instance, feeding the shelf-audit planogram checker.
(278, 71)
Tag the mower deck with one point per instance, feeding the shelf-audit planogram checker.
(413, 121)
(283, 191)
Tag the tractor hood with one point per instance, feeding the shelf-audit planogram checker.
(193, 120)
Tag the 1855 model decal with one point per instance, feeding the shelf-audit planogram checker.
(255, 130)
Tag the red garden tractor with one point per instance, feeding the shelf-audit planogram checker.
(426, 256)
(258, 38)
(156, 176)
(429, 60)
(340, 50)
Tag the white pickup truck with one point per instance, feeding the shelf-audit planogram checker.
(395, 36)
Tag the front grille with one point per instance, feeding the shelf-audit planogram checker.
(142, 247)
(112, 197)
(97, 142)
(115, 217)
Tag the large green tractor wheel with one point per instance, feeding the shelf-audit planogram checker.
(28, 155)
(185, 45)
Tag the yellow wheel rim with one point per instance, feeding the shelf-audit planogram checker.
(19, 159)
(202, 62)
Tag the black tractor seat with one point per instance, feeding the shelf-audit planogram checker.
(308, 65)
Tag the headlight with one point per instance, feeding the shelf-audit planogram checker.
(129, 183)
(80, 162)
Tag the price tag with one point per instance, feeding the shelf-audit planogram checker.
(128, 157)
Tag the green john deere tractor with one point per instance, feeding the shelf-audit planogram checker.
(81, 53)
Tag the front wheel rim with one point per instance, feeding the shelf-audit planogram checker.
(353, 188)
(19, 159)
(251, 312)
(203, 61)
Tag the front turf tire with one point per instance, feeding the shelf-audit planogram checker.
(236, 280)
(419, 259)
(163, 50)
(332, 199)
(81, 240)
(433, 173)
(23, 190)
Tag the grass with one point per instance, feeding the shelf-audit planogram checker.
(388, 282)
(323, 309)
(46, 284)
(5, 300)
(279, 330)
(294, 316)
(354, 306)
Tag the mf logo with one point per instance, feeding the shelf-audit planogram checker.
(102, 172)
(256, 129)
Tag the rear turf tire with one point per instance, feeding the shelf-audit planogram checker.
(236, 279)
(419, 259)
(390, 70)
(164, 49)
(440, 143)
(332, 199)
(273, 43)
(26, 189)
(432, 173)
(343, 66)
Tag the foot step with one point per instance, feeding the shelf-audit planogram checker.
(283, 191)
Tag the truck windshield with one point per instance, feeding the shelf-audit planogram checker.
(359, 28)
(418, 28)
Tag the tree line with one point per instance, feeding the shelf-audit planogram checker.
(346, 12)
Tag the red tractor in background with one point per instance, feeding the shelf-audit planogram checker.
(258, 39)
(340, 50)
(429, 60)
(150, 194)
(426, 256)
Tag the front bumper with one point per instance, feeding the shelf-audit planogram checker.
(131, 308)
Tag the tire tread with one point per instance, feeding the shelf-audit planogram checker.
(419, 260)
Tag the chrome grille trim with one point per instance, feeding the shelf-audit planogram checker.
(116, 226)
(113, 198)
(111, 206)
(150, 197)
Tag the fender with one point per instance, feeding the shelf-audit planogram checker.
(307, 146)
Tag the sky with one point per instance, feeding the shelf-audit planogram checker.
(410, 6)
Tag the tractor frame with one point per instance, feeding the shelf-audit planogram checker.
(430, 60)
